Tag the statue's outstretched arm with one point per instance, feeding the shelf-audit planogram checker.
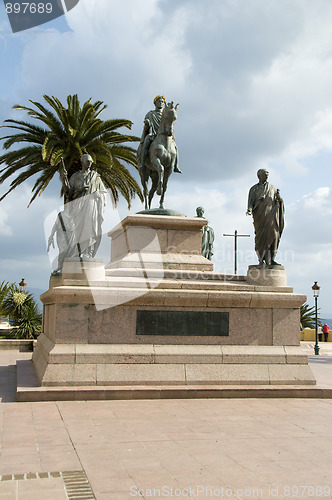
(51, 238)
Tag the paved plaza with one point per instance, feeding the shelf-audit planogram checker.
(202, 448)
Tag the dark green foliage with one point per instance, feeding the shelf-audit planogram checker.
(4, 289)
(68, 133)
(22, 309)
(307, 317)
(29, 324)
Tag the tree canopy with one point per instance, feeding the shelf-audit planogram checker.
(36, 147)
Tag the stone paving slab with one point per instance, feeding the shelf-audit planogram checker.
(183, 448)
(325, 348)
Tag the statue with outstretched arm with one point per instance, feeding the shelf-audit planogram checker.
(87, 197)
(64, 231)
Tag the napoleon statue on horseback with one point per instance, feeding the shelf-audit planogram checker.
(157, 153)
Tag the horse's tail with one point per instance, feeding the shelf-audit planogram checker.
(176, 164)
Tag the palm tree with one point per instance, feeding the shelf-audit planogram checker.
(4, 290)
(68, 133)
(308, 316)
(29, 324)
(15, 303)
(22, 308)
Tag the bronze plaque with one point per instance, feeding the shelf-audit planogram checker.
(182, 323)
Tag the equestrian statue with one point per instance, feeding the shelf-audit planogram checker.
(157, 152)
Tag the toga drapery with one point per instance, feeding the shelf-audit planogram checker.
(268, 214)
(88, 199)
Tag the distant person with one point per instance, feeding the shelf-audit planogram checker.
(326, 330)
(320, 333)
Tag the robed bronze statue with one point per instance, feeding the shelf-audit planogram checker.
(267, 208)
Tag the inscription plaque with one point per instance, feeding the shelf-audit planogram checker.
(182, 323)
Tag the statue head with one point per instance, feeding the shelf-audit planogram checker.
(200, 211)
(86, 161)
(262, 174)
(159, 101)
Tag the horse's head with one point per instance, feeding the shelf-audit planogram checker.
(171, 109)
(168, 117)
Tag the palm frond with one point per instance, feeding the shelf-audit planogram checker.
(308, 316)
(67, 132)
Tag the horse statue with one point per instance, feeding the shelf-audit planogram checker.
(161, 159)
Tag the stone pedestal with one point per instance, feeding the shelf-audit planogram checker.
(267, 276)
(161, 316)
(158, 242)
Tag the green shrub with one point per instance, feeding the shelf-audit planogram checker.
(22, 309)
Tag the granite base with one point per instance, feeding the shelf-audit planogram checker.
(90, 330)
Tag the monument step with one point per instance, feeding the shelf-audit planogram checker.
(28, 390)
(189, 284)
(150, 282)
(162, 365)
(175, 274)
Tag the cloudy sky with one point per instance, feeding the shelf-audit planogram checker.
(253, 79)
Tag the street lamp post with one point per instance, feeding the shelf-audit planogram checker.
(22, 284)
(315, 289)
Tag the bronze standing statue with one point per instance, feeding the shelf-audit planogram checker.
(267, 208)
(207, 236)
(157, 152)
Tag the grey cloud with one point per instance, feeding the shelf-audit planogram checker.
(252, 79)
(212, 57)
(309, 222)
